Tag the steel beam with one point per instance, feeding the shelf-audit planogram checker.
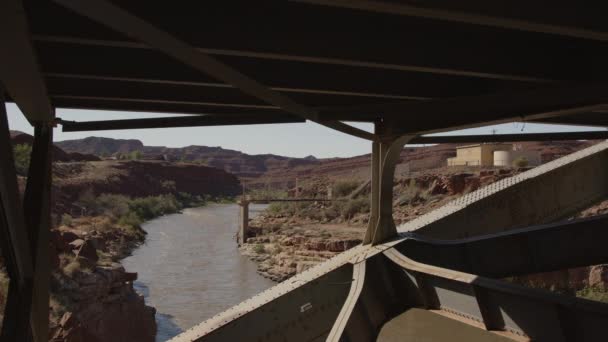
(471, 111)
(464, 18)
(18, 66)
(159, 101)
(545, 248)
(122, 21)
(471, 139)
(508, 307)
(169, 82)
(335, 335)
(15, 243)
(37, 211)
(178, 121)
(306, 59)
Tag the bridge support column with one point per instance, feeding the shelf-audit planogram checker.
(385, 156)
(243, 221)
(37, 211)
(25, 232)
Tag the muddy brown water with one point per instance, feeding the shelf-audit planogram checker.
(190, 268)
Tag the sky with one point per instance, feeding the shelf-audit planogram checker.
(293, 140)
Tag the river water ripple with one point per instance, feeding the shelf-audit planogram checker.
(190, 268)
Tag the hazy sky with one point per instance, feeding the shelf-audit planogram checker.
(295, 140)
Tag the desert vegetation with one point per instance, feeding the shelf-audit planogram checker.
(21, 153)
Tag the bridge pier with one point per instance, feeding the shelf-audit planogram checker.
(385, 156)
(243, 221)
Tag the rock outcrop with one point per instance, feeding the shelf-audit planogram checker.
(94, 297)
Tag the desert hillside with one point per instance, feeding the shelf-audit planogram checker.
(268, 170)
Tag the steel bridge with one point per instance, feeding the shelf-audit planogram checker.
(411, 68)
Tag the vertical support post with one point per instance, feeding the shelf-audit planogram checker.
(385, 156)
(14, 242)
(375, 193)
(37, 211)
(244, 221)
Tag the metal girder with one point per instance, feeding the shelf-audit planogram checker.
(335, 335)
(305, 59)
(37, 211)
(464, 18)
(506, 307)
(469, 139)
(15, 242)
(470, 111)
(122, 21)
(224, 85)
(170, 102)
(177, 121)
(538, 249)
(18, 66)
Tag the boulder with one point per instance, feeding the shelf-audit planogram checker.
(84, 249)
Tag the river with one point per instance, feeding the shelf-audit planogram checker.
(190, 268)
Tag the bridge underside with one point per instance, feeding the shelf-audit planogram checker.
(409, 71)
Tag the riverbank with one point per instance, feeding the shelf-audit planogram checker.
(92, 295)
(290, 238)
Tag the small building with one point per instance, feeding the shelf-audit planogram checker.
(493, 155)
(477, 155)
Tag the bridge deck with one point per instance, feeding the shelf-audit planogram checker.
(419, 325)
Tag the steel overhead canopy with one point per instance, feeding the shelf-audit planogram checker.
(124, 22)
(18, 66)
(323, 68)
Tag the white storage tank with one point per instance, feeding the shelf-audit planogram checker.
(502, 158)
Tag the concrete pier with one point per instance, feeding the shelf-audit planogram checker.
(243, 221)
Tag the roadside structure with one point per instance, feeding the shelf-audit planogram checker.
(477, 154)
(493, 154)
(409, 70)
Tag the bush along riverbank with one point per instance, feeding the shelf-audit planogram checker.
(92, 295)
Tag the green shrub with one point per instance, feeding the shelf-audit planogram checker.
(591, 293)
(130, 220)
(22, 154)
(111, 205)
(275, 207)
(259, 248)
(520, 162)
(135, 155)
(154, 206)
(266, 193)
(186, 199)
(334, 210)
(66, 220)
(344, 188)
(356, 206)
